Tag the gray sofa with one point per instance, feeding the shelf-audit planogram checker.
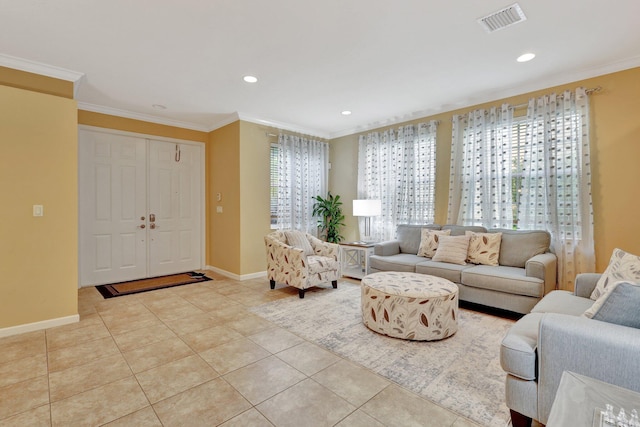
(526, 270)
(554, 338)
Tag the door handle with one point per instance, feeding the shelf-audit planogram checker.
(142, 226)
(153, 226)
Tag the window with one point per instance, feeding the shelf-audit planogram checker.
(298, 172)
(273, 162)
(398, 168)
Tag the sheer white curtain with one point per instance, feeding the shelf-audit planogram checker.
(556, 182)
(302, 174)
(480, 186)
(398, 167)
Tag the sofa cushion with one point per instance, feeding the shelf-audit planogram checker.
(510, 280)
(409, 237)
(441, 269)
(452, 249)
(619, 305)
(399, 262)
(299, 240)
(484, 248)
(518, 246)
(518, 348)
(563, 302)
(460, 230)
(622, 266)
(429, 241)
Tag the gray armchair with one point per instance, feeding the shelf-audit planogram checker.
(554, 338)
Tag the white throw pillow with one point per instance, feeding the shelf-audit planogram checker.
(429, 241)
(622, 266)
(452, 249)
(299, 240)
(484, 248)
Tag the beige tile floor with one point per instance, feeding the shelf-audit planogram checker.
(193, 356)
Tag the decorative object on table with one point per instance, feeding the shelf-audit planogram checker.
(330, 211)
(608, 418)
(367, 209)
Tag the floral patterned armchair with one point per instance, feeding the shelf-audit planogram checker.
(300, 260)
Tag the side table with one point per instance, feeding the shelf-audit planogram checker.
(578, 397)
(355, 258)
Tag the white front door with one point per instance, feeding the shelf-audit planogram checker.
(174, 208)
(112, 187)
(140, 207)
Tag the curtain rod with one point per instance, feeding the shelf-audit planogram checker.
(561, 96)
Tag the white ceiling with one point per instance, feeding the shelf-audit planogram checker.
(385, 61)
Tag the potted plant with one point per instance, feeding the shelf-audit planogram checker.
(329, 210)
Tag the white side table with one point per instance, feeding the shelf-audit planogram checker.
(355, 258)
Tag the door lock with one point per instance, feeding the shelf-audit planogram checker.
(152, 217)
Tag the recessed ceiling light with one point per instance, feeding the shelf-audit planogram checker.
(346, 113)
(159, 107)
(526, 57)
(250, 79)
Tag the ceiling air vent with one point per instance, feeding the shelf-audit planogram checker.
(504, 18)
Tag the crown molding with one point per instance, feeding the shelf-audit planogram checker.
(230, 118)
(282, 125)
(34, 67)
(139, 116)
(548, 82)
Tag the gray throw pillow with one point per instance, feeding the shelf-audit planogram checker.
(619, 305)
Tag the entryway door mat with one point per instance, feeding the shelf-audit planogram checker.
(150, 284)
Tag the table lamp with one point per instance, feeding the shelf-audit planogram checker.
(367, 209)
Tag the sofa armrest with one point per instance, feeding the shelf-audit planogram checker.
(543, 267)
(390, 247)
(320, 247)
(600, 350)
(585, 284)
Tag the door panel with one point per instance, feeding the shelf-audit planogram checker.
(112, 186)
(174, 200)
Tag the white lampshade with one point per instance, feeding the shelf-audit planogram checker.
(367, 207)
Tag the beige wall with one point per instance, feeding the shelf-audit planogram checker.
(615, 148)
(38, 165)
(238, 168)
(223, 176)
(254, 195)
(35, 82)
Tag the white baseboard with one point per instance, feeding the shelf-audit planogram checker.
(236, 276)
(37, 326)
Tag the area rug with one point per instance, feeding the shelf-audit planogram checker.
(150, 284)
(461, 373)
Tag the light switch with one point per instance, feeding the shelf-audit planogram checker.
(38, 210)
(219, 209)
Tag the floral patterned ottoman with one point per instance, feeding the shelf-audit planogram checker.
(410, 305)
